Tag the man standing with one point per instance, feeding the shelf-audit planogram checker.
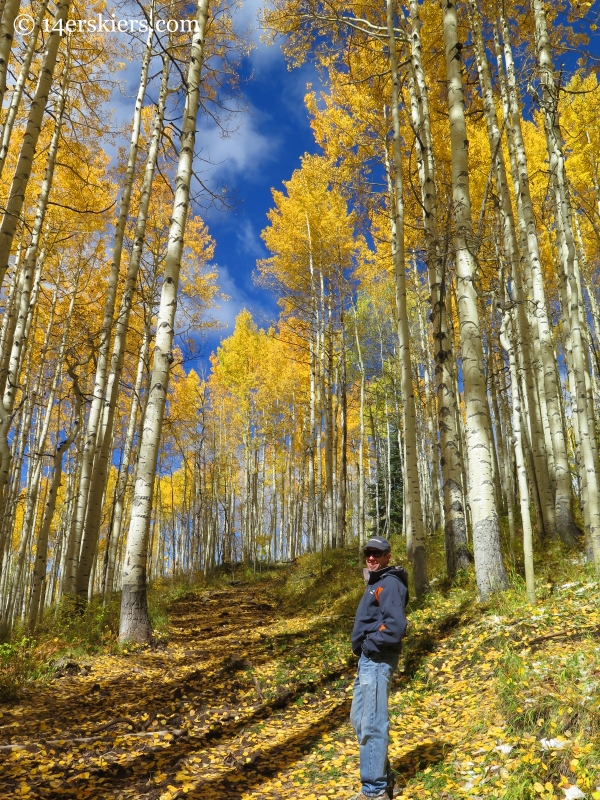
(376, 637)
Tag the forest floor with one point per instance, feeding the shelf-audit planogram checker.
(249, 698)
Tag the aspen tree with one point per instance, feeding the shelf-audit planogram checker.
(429, 412)
(85, 541)
(119, 502)
(565, 525)
(134, 623)
(32, 267)
(513, 255)
(101, 461)
(17, 93)
(457, 555)
(7, 31)
(39, 572)
(489, 568)
(9, 320)
(507, 344)
(361, 456)
(567, 255)
(412, 494)
(33, 481)
(16, 197)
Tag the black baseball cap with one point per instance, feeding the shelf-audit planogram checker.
(378, 543)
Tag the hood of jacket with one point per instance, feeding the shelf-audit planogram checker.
(397, 572)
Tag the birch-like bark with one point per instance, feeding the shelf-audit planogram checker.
(311, 500)
(361, 443)
(565, 525)
(7, 32)
(41, 555)
(327, 394)
(489, 568)
(11, 312)
(17, 94)
(506, 343)
(34, 471)
(513, 255)
(429, 413)
(124, 470)
(30, 283)
(102, 461)
(412, 492)
(86, 540)
(16, 197)
(31, 274)
(134, 623)
(567, 254)
(343, 471)
(455, 529)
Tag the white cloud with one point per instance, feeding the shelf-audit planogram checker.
(244, 150)
(227, 310)
(249, 242)
(297, 86)
(248, 25)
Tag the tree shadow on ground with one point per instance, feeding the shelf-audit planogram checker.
(274, 760)
(185, 746)
(420, 646)
(423, 756)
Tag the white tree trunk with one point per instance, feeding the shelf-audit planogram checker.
(565, 524)
(16, 338)
(412, 491)
(489, 568)
(521, 470)
(124, 470)
(39, 572)
(101, 464)
(567, 253)
(86, 540)
(134, 623)
(455, 529)
(513, 256)
(16, 197)
(7, 32)
(17, 93)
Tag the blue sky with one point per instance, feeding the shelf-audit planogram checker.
(263, 149)
(265, 144)
(271, 136)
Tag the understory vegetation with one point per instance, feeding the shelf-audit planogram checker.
(492, 699)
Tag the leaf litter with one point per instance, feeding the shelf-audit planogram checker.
(246, 703)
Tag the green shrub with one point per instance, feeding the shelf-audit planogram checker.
(17, 663)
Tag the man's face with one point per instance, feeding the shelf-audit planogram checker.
(376, 559)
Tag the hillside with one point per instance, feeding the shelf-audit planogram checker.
(249, 698)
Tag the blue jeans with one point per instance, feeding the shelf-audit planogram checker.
(369, 718)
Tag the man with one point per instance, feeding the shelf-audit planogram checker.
(376, 637)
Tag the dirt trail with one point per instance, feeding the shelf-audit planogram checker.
(200, 718)
(246, 704)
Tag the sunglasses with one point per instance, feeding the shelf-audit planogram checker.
(374, 553)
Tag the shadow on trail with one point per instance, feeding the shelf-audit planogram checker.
(420, 646)
(423, 756)
(186, 746)
(274, 760)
